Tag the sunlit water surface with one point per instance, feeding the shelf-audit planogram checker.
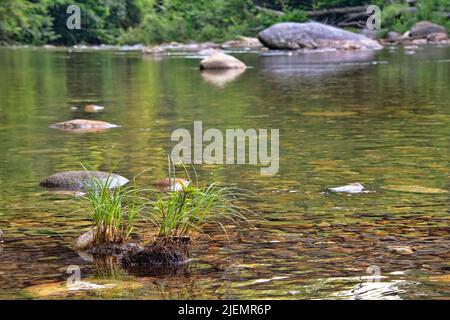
(381, 119)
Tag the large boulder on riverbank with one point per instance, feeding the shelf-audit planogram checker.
(424, 28)
(83, 125)
(313, 35)
(77, 180)
(221, 60)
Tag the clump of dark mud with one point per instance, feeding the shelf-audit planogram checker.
(112, 249)
(161, 252)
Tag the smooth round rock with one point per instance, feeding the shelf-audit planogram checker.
(221, 60)
(77, 180)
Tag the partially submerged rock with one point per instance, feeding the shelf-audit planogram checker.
(313, 35)
(350, 188)
(86, 240)
(243, 42)
(437, 37)
(393, 36)
(404, 250)
(221, 60)
(83, 125)
(424, 28)
(77, 180)
(176, 184)
(92, 108)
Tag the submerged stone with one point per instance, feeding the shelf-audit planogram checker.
(405, 250)
(413, 189)
(78, 180)
(83, 125)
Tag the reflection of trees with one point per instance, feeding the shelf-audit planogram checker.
(150, 98)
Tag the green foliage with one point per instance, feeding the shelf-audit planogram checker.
(426, 10)
(175, 214)
(25, 22)
(157, 21)
(178, 214)
(327, 4)
(112, 212)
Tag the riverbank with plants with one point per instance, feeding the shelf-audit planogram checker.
(151, 22)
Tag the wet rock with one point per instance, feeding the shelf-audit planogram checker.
(92, 108)
(243, 42)
(437, 37)
(164, 49)
(82, 125)
(424, 28)
(86, 240)
(371, 34)
(404, 250)
(156, 51)
(393, 36)
(419, 42)
(221, 61)
(176, 184)
(77, 180)
(313, 35)
(350, 188)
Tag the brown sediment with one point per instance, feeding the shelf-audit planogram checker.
(161, 252)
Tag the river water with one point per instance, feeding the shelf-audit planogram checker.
(378, 118)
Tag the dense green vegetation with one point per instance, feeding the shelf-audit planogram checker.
(156, 21)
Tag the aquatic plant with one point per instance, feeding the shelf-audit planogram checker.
(113, 212)
(180, 213)
(176, 214)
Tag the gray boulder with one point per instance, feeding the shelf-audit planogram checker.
(77, 180)
(313, 35)
(393, 36)
(424, 28)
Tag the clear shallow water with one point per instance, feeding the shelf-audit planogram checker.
(381, 119)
